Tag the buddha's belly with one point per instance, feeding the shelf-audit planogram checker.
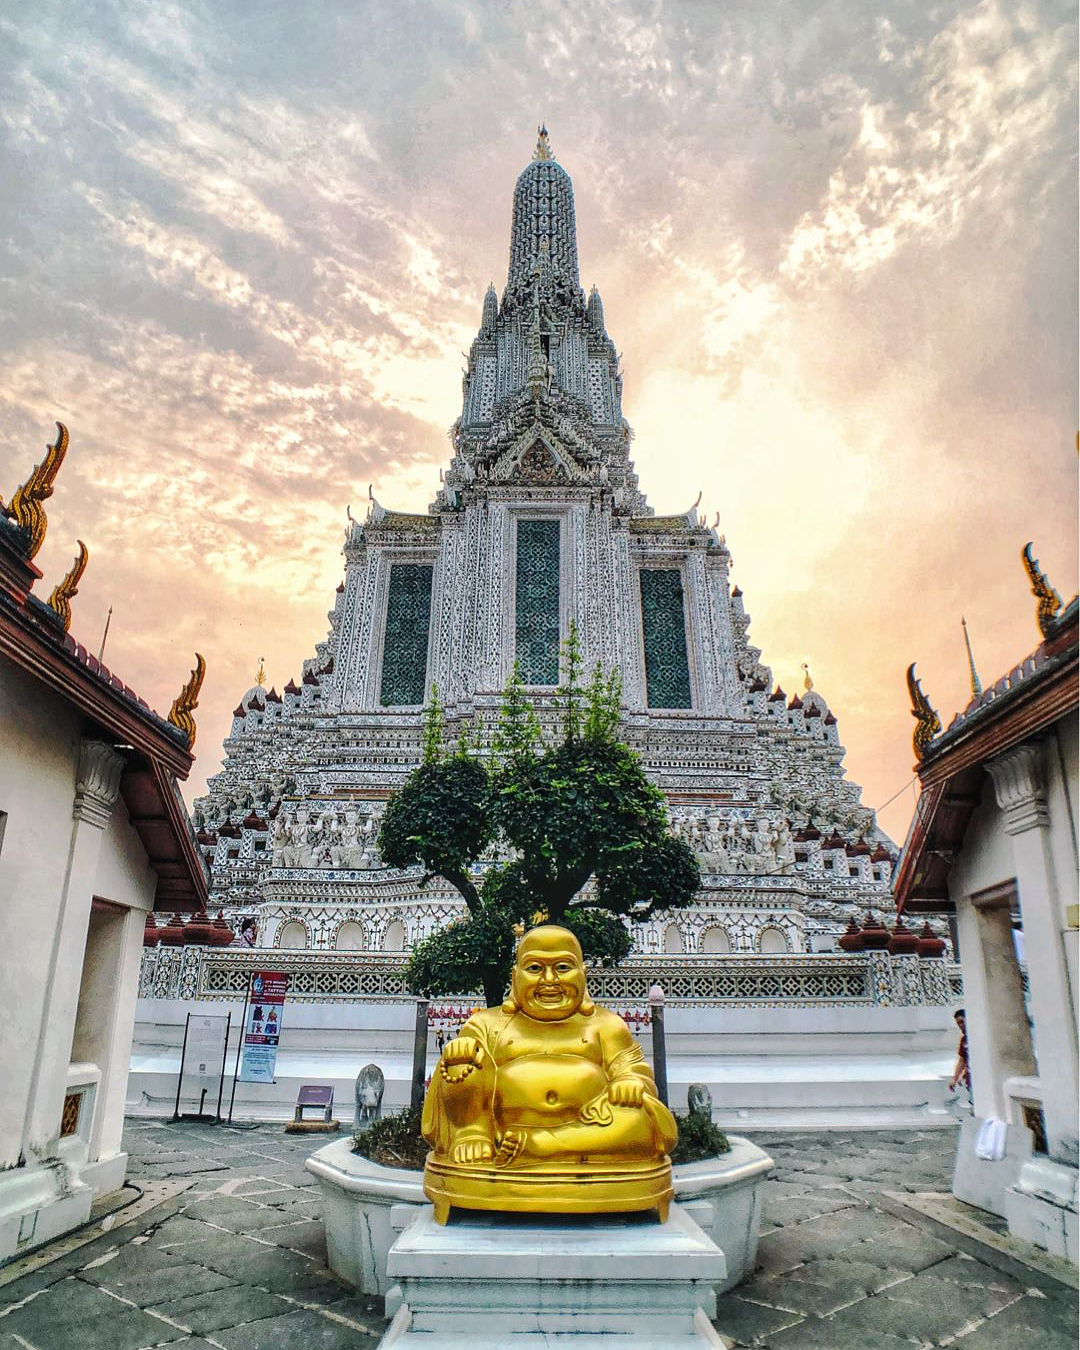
(546, 1089)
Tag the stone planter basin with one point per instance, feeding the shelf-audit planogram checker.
(722, 1195)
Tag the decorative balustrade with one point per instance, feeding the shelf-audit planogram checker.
(811, 980)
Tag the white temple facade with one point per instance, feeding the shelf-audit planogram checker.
(539, 521)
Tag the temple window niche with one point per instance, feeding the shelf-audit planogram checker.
(405, 639)
(663, 627)
(537, 601)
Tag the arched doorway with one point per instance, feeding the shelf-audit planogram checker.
(772, 941)
(394, 940)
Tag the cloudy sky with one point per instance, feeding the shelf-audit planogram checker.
(242, 247)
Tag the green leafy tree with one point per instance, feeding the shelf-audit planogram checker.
(586, 833)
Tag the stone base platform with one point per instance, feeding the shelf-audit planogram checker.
(496, 1281)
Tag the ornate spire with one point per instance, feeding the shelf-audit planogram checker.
(543, 209)
(64, 591)
(260, 677)
(1049, 600)
(976, 683)
(25, 507)
(543, 145)
(927, 722)
(808, 683)
(187, 701)
(491, 309)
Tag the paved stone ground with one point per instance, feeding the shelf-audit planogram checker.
(241, 1264)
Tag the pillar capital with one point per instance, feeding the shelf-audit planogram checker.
(98, 783)
(1019, 786)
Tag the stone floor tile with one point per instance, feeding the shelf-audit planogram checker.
(926, 1321)
(965, 1269)
(303, 1330)
(795, 1209)
(74, 1313)
(1026, 1322)
(303, 1235)
(218, 1308)
(157, 1286)
(797, 1293)
(750, 1323)
(833, 1334)
(912, 1254)
(871, 1278)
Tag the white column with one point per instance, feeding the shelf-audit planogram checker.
(999, 1045)
(1019, 785)
(96, 791)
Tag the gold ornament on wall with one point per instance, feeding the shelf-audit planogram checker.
(1049, 601)
(25, 506)
(68, 588)
(927, 722)
(187, 701)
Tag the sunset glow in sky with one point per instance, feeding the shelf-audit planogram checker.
(244, 247)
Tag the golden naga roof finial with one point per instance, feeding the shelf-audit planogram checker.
(187, 701)
(927, 722)
(260, 677)
(543, 145)
(1048, 598)
(25, 507)
(807, 683)
(64, 591)
(976, 683)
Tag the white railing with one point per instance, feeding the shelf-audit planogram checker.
(810, 980)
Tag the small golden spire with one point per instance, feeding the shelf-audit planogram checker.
(519, 929)
(187, 701)
(25, 507)
(543, 145)
(807, 683)
(1048, 598)
(64, 591)
(260, 678)
(976, 683)
(927, 722)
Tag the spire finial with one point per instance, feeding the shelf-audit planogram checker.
(808, 683)
(976, 683)
(187, 700)
(927, 722)
(64, 591)
(25, 506)
(260, 678)
(543, 145)
(1049, 602)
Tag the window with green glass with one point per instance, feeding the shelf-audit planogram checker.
(405, 642)
(663, 624)
(537, 601)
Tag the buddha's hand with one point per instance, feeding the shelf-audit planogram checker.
(626, 1092)
(460, 1057)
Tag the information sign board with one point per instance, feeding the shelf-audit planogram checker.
(262, 1026)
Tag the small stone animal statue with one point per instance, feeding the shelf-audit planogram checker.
(699, 1100)
(370, 1085)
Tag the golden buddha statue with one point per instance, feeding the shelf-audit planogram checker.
(546, 1104)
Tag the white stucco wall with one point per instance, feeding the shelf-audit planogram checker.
(65, 874)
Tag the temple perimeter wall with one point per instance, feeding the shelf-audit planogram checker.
(794, 1041)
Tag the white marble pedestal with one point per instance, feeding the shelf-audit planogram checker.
(521, 1282)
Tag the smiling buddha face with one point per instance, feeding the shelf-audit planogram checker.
(546, 1103)
(549, 976)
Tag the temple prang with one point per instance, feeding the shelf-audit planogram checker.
(539, 520)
